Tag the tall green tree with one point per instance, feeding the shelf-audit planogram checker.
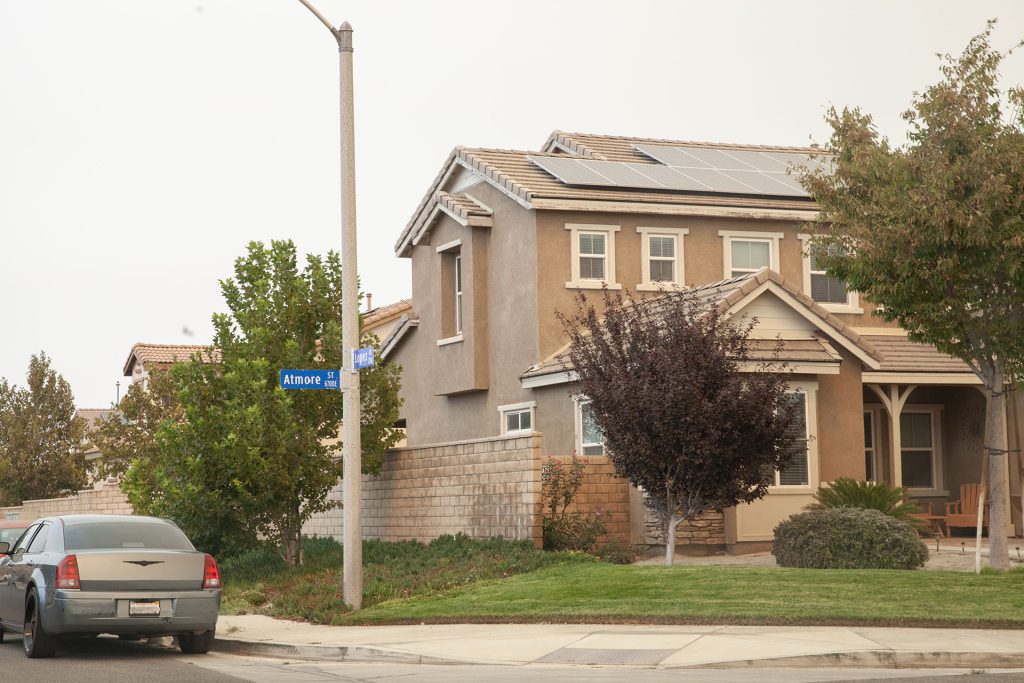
(933, 230)
(680, 418)
(249, 460)
(41, 440)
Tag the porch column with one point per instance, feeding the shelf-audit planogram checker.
(893, 399)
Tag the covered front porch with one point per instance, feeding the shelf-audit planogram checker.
(924, 431)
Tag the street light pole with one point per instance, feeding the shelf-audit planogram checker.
(351, 446)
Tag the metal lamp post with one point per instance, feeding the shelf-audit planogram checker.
(351, 447)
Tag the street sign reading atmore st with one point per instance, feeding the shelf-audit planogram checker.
(310, 379)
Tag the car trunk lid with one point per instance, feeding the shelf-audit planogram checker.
(140, 570)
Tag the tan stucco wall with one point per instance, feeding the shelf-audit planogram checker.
(105, 498)
(482, 488)
(841, 422)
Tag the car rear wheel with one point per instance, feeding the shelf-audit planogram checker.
(195, 644)
(36, 641)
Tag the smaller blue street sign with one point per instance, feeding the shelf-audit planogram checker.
(310, 379)
(362, 358)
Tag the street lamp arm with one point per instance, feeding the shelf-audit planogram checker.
(322, 18)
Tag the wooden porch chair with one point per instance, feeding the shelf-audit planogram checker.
(963, 513)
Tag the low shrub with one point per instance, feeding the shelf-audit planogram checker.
(617, 552)
(564, 530)
(847, 538)
(573, 531)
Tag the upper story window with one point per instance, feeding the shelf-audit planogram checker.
(517, 418)
(748, 251)
(452, 289)
(593, 256)
(458, 294)
(830, 292)
(661, 253)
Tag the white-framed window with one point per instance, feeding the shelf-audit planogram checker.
(800, 475)
(746, 252)
(589, 439)
(661, 254)
(920, 447)
(593, 256)
(458, 294)
(517, 418)
(797, 471)
(830, 292)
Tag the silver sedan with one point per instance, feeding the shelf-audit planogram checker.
(121, 574)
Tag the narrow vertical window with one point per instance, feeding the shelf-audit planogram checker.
(869, 447)
(458, 294)
(917, 450)
(795, 471)
(591, 438)
(593, 255)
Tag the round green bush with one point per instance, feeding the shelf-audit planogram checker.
(847, 538)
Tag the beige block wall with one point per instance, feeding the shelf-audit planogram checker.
(602, 492)
(482, 487)
(105, 498)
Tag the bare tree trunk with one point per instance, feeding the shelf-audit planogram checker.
(998, 474)
(670, 539)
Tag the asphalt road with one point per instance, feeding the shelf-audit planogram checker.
(105, 660)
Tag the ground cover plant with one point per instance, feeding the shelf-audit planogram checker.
(259, 581)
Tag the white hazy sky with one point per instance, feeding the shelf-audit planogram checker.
(143, 144)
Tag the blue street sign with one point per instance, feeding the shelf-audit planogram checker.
(362, 358)
(310, 379)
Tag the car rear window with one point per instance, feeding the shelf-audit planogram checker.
(124, 536)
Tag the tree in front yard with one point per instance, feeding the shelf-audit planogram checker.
(41, 439)
(933, 231)
(250, 460)
(680, 417)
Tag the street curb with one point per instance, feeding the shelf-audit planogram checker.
(335, 653)
(879, 659)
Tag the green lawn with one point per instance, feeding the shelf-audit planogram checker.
(460, 580)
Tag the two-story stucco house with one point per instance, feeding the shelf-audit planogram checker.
(503, 239)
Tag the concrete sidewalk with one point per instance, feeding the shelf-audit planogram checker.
(656, 646)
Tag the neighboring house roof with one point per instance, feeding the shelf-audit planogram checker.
(92, 417)
(167, 354)
(516, 175)
(382, 314)
(406, 325)
(731, 295)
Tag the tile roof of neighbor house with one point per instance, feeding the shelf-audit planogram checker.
(512, 172)
(167, 354)
(94, 415)
(382, 314)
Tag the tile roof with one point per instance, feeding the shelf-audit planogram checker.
(382, 314)
(94, 415)
(724, 294)
(900, 354)
(167, 354)
(464, 207)
(513, 173)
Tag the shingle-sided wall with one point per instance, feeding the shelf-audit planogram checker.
(105, 499)
(481, 487)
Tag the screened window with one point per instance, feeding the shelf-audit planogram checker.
(917, 450)
(795, 472)
(662, 254)
(825, 289)
(749, 255)
(518, 421)
(591, 438)
(593, 255)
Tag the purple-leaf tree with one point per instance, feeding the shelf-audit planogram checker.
(687, 412)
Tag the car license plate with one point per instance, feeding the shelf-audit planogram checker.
(148, 608)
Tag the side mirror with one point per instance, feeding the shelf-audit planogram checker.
(5, 548)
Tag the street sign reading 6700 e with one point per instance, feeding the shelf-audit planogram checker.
(310, 379)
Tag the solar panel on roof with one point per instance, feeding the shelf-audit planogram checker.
(692, 169)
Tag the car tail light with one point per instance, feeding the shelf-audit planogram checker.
(211, 574)
(67, 573)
